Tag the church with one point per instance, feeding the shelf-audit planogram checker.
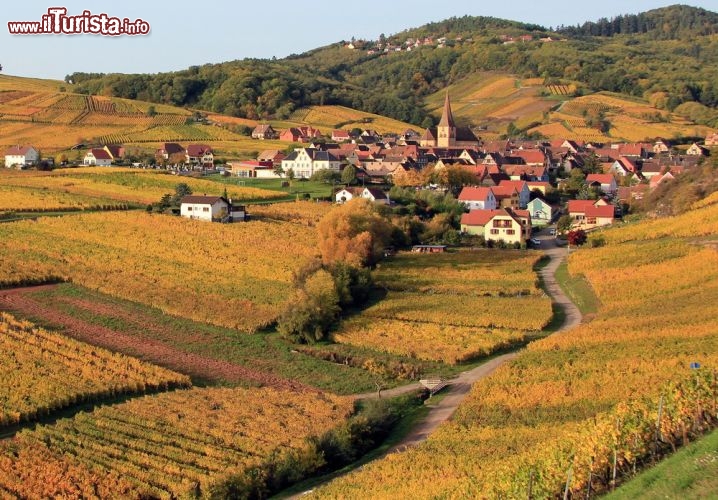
(446, 134)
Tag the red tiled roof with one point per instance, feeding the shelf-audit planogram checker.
(100, 154)
(474, 194)
(480, 217)
(600, 178)
(580, 206)
(18, 150)
(530, 156)
(518, 185)
(198, 149)
(171, 148)
(605, 211)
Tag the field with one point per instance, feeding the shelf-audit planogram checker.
(208, 354)
(239, 282)
(571, 400)
(452, 307)
(175, 444)
(630, 120)
(327, 118)
(43, 372)
(86, 188)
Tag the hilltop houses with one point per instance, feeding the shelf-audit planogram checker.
(264, 131)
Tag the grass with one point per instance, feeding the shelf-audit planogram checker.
(692, 472)
(578, 290)
(267, 352)
(295, 188)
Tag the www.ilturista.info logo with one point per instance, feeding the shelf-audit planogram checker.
(57, 22)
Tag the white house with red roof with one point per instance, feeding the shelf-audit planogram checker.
(624, 166)
(505, 224)
(210, 208)
(478, 198)
(253, 169)
(200, 155)
(605, 182)
(341, 135)
(657, 180)
(711, 140)
(587, 214)
(22, 156)
(97, 157)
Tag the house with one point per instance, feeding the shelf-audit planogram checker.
(371, 194)
(116, 151)
(340, 136)
(660, 147)
(478, 198)
(697, 150)
(657, 180)
(522, 188)
(507, 225)
(200, 155)
(542, 213)
(539, 187)
(624, 167)
(98, 157)
(22, 156)
(587, 214)
(253, 169)
(264, 131)
(605, 182)
(168, 149)
(711, 140)
(205, 208)
(300, 134)
(273, 155)
(304, 162)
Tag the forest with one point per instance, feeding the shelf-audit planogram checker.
(664, 52)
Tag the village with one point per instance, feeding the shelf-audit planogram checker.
(509, 187)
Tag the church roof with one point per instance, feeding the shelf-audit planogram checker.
(447, 118)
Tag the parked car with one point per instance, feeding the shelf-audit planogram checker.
(535, 242)
(552, 231)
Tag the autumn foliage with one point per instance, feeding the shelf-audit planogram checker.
(353, 233)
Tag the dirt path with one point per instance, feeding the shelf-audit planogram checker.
(460, 386)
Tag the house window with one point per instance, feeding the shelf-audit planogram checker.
(510, 231)
(205, 209)
(189, 209)
(591, 220)
(494, 231)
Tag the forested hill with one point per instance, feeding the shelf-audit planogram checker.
(666, 52)
(670, 23)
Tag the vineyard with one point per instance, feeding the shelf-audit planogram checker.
(589, 399)
(43, 372)
(86, 189)
(330, 117)
(240, 281)
(565, 90)
(176, 444)
(452, 307)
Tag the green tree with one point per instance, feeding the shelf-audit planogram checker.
(349, 175)
(564, 224)
(151, 111)
(314, 309)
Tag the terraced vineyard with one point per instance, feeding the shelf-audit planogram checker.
(43, 372)
(240, 283)
(421, 316)
(180, 443)
(587, 399)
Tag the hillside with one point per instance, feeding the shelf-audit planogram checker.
(45, 114)
(669, 55)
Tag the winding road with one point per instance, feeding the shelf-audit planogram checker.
(460, 386)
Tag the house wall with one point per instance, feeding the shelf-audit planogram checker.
(473, 230)
(29, 158)
(204, 211)
(496, 231)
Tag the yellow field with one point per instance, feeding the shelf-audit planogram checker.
(233, 275)
(87, 187)
(299, 212)
(571, 400)
(451, 307)
(43, 372)
(327, 118)
(175, 444)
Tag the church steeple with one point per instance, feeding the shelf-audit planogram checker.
(447, 118)
(446, 130)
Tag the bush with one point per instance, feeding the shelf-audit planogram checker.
(312, 311)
